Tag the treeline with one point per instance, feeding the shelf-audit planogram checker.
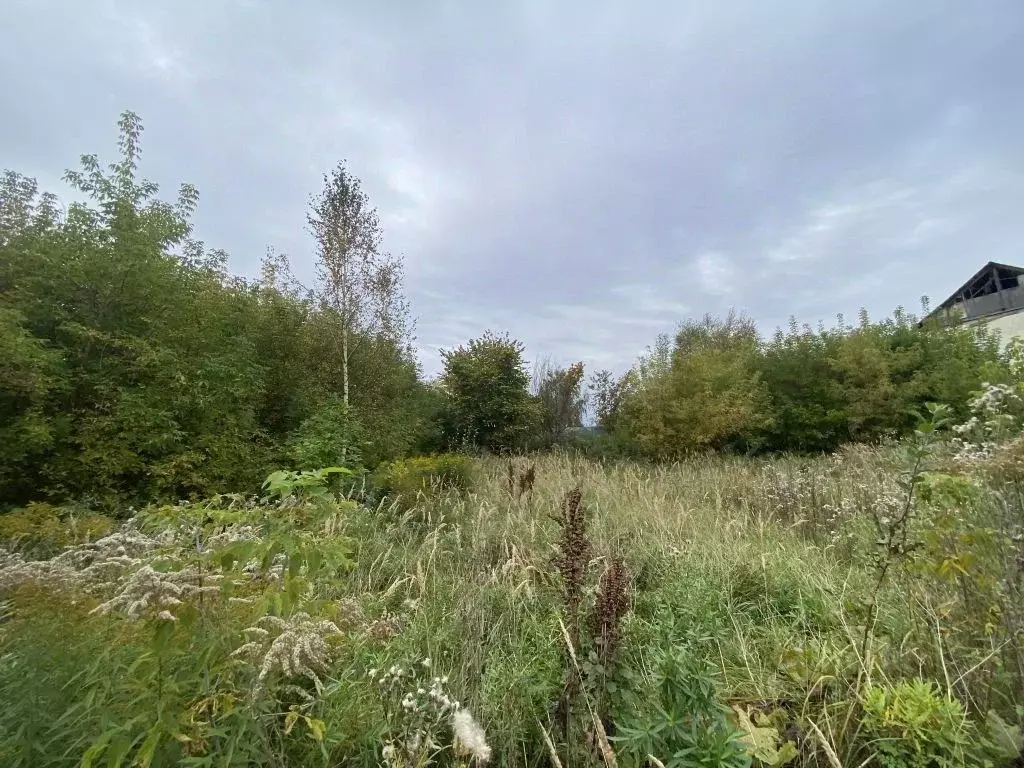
(717, 385)
(133, 367)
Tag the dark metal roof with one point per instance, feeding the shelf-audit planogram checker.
(978, 280)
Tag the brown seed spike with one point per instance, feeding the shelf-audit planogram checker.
(574, 552)
(612, 605)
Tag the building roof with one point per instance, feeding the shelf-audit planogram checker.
(983, 282)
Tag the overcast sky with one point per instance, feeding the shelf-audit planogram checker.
(583, 175)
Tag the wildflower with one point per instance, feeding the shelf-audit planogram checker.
(413, 744)
(298, 649)
(470, 738)
(147, 592)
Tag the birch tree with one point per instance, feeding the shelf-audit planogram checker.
(359, 281)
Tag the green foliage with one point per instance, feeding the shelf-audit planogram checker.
(740, 643)
(43, 529)
(719, 386)
(912, 725)
(704, 393)
(309, 484)
(684, 723)
(332, 435)
(404, 480)
(488, 404)
(134, 368)
(1004, 741)
(561, 398)
(762, 740)
(606, 396)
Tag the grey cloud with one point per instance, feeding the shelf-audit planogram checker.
(583, 175)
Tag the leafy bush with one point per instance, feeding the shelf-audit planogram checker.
(134, 368)
(488, 404)
(44, 529)
(406, 479)
(911, 725)
(684, 723)
(717, 384)
(332, 436)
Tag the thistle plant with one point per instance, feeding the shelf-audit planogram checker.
(992, 422)
(420, 710)
(470, 740)
(894, 524)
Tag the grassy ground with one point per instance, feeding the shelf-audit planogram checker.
(791, 607)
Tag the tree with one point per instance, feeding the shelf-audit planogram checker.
(134, 368)
(606, 393)
(706, 394)
(809, 405)
(360, 283)
(488, 404)
(559, 392)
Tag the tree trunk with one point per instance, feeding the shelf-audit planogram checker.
(344, 364)
(344, 330)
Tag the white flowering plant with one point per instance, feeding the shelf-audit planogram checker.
(420, 713)
(288, 651)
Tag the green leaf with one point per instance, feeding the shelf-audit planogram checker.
(1006, 738)
(762, 742)
(147, 751)
(96, 748)
(317, 728)
(787, 753)
(118, 749)
(336, 471)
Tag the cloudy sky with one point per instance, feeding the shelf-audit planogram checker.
(582, 174)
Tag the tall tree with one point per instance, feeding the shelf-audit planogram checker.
(704, 393)
(606, 393)
(562, 401)
(488, 404)
(360, 282)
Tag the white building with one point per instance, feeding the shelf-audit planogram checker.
(994, 296)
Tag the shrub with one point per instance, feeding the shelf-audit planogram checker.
(332, 436)
(684, 722)
(407, 478)
(488, 404)
(44, 529)
(911, 725)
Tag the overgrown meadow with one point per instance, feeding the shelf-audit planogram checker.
(856, 609)
(820, 567)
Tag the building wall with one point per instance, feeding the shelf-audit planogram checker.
(1009, 325)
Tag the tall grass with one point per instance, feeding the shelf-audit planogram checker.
(762, 570)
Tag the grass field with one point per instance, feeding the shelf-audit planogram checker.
(850, 610)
